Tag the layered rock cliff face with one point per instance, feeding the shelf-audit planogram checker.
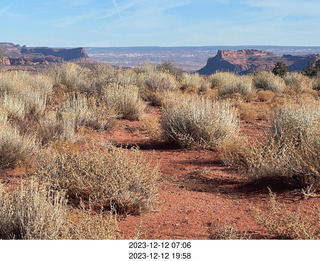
(245, 61)
(17, 55)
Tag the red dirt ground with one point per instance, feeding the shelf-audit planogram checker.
(197, 191)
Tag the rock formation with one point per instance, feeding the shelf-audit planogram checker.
(245, 61)
(17, 55)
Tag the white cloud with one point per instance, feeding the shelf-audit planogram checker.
(117, 8)
(223, 1)
(75, 3)
(3, 10)
(71, 20)
(292, 7)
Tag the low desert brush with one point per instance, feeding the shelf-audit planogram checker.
(35, 211)
(290, 150)
(265, 95)
(194, 81)
(151, 124)
(251, 96)
(55, 125)
(297, 82)
(196, 121)
(248, 112)
(160, 81)
(268, 81)
(14, 147)
(124, 100)
(23, 93)
(284, 223)
(119, 177)
(71, 75)
(220, 231)
(32, 212)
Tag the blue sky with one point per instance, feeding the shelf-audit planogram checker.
(105, 23)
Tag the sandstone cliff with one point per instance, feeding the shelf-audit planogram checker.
(245, 61)
(17, 55)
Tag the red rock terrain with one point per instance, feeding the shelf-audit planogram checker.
(197, 191)
(17, 55)
(245, 61)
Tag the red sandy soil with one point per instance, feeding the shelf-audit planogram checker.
(197, 191)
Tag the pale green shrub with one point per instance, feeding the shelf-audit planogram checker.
(221, 78)
(229, 83)
(78, 105)
(35, 211)
(13, 105)
(316, 82)
(297, 82)
(292, 121)
(194, 80)
(55, 125)
(14, 147)
(160, 81)
(291, 150)
(122, 178)
(268, 81)
(32, 212)
(71, 75)
(192, 120)
(124, 100)
(19, 88)
(285, 223)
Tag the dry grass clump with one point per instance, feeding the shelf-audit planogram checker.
(220, 231)
(13, 105)
(265, 95)
(268, 81)
(316, 82)
(251, 96)
(14, 147)
(287, 224)
(291, 150)
(160, 81)
(155, 82)
(296, 120)
(229, 83)
(78, 106)
(151, 124)
(22, 82)
(103, 74)
(23, 93)
(120, 178)
(248, 112)
(35, 211)
(55, 125)
(194, 81)
(71, 75)
(32, 212)
(297, 82)
(124, 100)
(191, 120)
(90, 112)
(87, 225)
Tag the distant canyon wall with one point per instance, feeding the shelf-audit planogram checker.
(17, 55)
(245, 61)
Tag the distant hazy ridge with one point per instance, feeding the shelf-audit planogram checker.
(187, 58)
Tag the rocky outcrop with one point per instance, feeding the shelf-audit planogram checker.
(245, 61)
(65, 54)
(29, 60)
(17, 55)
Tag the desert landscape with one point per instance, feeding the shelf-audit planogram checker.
(93, 151)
